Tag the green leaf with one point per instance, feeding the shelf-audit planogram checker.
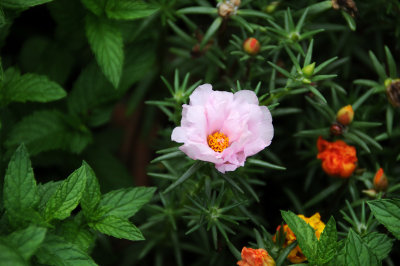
(67, 196)
(266, 164)
(32, 87)
(45, 191)
(19, 183)
(391, 63)
(27, 240)
(124, 203)
(327, 244)
(378, 66)
(80, 235)
(380, 244)
(211, 30)
(106, 42)
(9, 255)
(357, 252)
(48, 130)
(117, 227)
(387, 212)
(19, 4)
(129, 9)
(193, 169)
(305, 234)
(91, 196)
(96, 6)
(350, 21)
(56, 251)
(389, 119)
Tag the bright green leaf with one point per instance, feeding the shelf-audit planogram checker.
(327, 244)
(305, 234)
(357, 252)
(129, 9)
(45, 191)
(387, 212)
(27, 240)
(67, 196)
(380, 244)
(117, 227)
(124, 203)
(106, 42)
(19, 183)
(80, 235)
(91, 196)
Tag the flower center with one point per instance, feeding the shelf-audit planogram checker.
(218, 141)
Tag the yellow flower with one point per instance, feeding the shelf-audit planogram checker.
(296, 255)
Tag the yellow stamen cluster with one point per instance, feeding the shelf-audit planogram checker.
(218, 141)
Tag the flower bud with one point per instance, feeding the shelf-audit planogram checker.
(271, 7)
(345, 115)
(308, 70)
(393, 91)
(235, 2)
(251, 46)
(336, 129)
(380, 181)
(348, 6)
(370, 193)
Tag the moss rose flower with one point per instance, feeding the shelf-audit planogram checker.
(338, 158)
(255, 257)
(223, 128)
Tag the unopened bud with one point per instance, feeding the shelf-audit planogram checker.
(348, 6)
(271, 7)
(345, 115)
(336, 129)
(370, 193)
(251, 46)
(294, 36)
(393, 91)
(308, 70)
(380, 181)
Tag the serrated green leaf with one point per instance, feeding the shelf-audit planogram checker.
(124, 203)
(67, 196)
(357, 252)
(27, 240)
(380, 244)
(387, 212)
(117, 227)
(327, 244)
(47, 130)
(32, 87)
(96, 6)
(106, 42)
(19, 4)
(56, 251)
(91, 196)
(9, 255)
(129, 9)
(305, 234)
(19, 183)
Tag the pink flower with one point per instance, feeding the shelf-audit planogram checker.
(223, 128)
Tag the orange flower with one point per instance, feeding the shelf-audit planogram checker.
(338, 158)
(380, 180)
(255, 257)
(296, 255)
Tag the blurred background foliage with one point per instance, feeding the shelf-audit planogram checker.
(119, 73)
